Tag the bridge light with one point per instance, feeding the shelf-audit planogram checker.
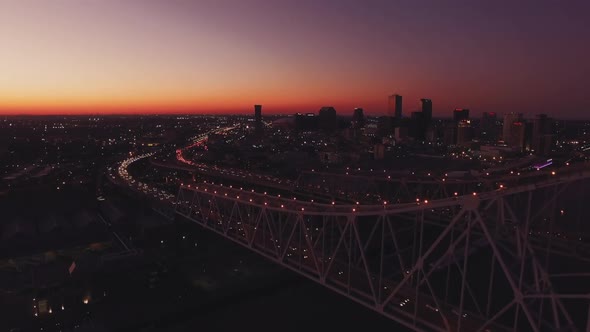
(302, 209)
(282, 206)
(425, 201)
(474, 194)
(384, 202)
(553, 173)
(353, 210)
(333, 203)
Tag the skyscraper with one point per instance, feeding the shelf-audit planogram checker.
(489, 127)
(358, 118)
(464, 132)
(542, 135)
(394, 106)
(258, 113)
(509, 119)
(460, 114)
(327, 118)
(517, 136)
(427, 110)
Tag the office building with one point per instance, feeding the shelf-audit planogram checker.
(509, 119)
(417, 127)
(327, 119)
(542, 138)
(394, 106)
(464, 132)
(517, 136)
(489, 127)
(460, 114)
(258, 113)
(358, 118)
(427, 110)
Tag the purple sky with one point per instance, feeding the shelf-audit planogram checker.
(222, 55)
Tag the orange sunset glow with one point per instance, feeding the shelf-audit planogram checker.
(133, 56)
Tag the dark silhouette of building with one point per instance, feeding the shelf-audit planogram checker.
(258, 113)
(394, 106)
(259, 128)
(464, 132)
(489, 127)
(327, 119)
(542, 139)
(450, 134)
(417, 127)
(517, 136)
(460, 114)
(509, 119)
(427, 110)
(358, 118)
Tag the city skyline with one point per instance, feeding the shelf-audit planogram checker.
(71, 57)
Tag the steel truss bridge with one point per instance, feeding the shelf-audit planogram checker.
(503, 258)
(407, 187)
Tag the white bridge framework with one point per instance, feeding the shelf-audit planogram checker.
(510, 259)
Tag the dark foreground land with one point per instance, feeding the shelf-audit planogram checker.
(176, 277)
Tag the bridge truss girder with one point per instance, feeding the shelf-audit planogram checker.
(503, 260)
